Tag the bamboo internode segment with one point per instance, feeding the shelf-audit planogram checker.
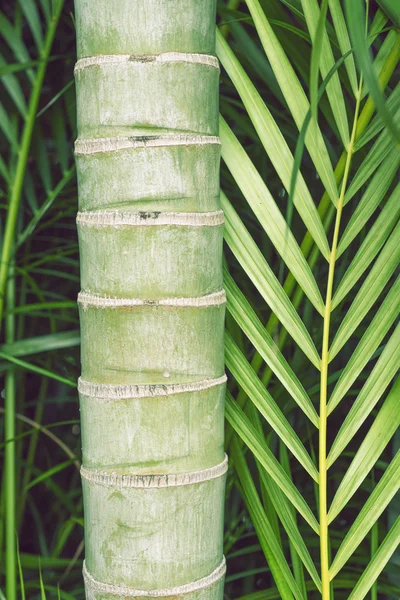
(168, 173)
(168, 97)
(211, 580)
(151, 303)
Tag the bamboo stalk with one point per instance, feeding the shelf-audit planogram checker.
(151, 306)
(10, 500)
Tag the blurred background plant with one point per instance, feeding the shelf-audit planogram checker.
(40, 500)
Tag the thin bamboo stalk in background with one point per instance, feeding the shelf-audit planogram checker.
(152, 306)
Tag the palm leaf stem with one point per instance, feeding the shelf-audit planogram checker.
(326, 212)
(323, 412)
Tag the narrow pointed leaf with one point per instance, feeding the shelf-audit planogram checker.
(268, 213)
(381, 57)
(355, 14)
(376, 503)
(248, 321)
(379, 435)
(7, 128)
(377, 563)
(370, 247)
(294, 96)
(341, 31)
(251, 384)
(326, 62)
(248, 433)
(371, 162)
(13, 87)
(274, 143)
(249, 256)
(256, 57)
(10, 35)
(376, 125)
(276, 560)
(31, 13)
(290, 518)
(380, 325)
(371, 198)
(384, 266)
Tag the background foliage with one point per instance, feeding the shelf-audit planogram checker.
(39, 355)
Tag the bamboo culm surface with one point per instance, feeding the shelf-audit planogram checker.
(151, 303)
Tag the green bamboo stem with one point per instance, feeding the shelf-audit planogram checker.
(10, 497)
(18, 179)
(151, 307)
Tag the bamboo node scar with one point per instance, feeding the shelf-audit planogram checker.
(123, 392)
(166, 57)
(86, 299)
(116, 480)
(150, 219)
(99, 145)
(126, 592)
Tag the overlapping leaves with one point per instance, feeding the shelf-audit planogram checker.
(369, 314)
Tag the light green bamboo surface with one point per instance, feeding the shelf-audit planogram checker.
(151, 306)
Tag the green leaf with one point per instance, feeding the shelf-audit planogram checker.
(56, 97)
(355, 20)
(374, 158)
(45, 4)
(257, 269)
(294, 95)
(53, 195)
(371, 199)
(49, 473)
(14, 89)
(256, 57)
(380, 325)
(386, 48)
(393, 104)
(42, 343)
(376, 503)
(274, 143)
(392, 9)
(35, 369)
(341, 31)
(370, 247)
(31, 13)
(248, 433)
(6, 126)
(276, 559)
(248, 321)
(42, 590)
(322, 53)
(294, 540)
(20, 573)
(377, 563)
(379, 435)
(11, 36)
(267, 212)
(248, 380)
(384, 266)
